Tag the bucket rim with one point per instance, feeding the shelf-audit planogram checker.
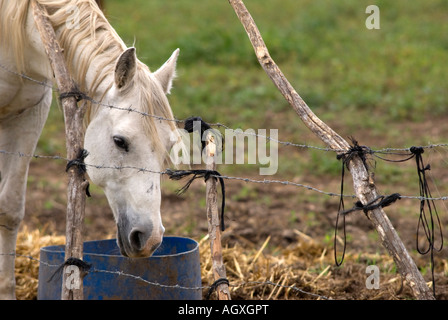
(61, 249)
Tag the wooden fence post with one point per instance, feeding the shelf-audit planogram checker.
(364, 188)
(76, 193)
(219, 269)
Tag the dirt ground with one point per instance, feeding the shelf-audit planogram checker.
(293, 226)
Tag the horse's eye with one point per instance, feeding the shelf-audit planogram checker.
(121, 143)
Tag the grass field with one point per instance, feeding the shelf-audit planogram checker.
(386, 88)
(363, 82)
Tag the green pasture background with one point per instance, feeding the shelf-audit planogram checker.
(370, 84)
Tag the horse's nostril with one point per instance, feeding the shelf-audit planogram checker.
(137, 239)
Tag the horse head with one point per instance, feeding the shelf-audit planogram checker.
(123, 141)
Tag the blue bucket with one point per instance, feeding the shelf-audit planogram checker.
(173, 272)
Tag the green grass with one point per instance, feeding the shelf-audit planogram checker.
(360, 81)
(322, 46)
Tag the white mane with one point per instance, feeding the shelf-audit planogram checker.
(98, 41)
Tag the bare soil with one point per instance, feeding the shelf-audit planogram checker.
(294, 219)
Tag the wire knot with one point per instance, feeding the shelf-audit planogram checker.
(83, 266)
(416, 150)
(206, 174)
(372, 205)
(78, 162)
(75, 93)
(193, 124)
(355, 150)
(215, 285)
(189, 125)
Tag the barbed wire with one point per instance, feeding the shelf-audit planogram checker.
(26, 77)
(145, 170)
(390, 151)
(244, 179)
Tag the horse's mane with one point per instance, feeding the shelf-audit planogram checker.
(97, 40)
(13, 16)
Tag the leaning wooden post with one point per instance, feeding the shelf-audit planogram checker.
(364, 188)
(219, 269)
(76, 194)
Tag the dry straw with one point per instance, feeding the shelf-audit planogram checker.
(303, 270)
(29, 243)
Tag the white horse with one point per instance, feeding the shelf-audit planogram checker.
(106, 70)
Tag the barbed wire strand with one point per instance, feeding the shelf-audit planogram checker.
(244, 179)
(390, 151)
(175, 286)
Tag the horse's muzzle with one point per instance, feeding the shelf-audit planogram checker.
(138, 241)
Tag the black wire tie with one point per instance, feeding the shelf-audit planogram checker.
(83, 266)
(206, 174)
(214, 286)
(346, 157)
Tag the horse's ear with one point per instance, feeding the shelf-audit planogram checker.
(166, 73)
(125, 68)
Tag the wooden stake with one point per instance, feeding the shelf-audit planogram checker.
(76, 193)
(214, 231)
(364, 187)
